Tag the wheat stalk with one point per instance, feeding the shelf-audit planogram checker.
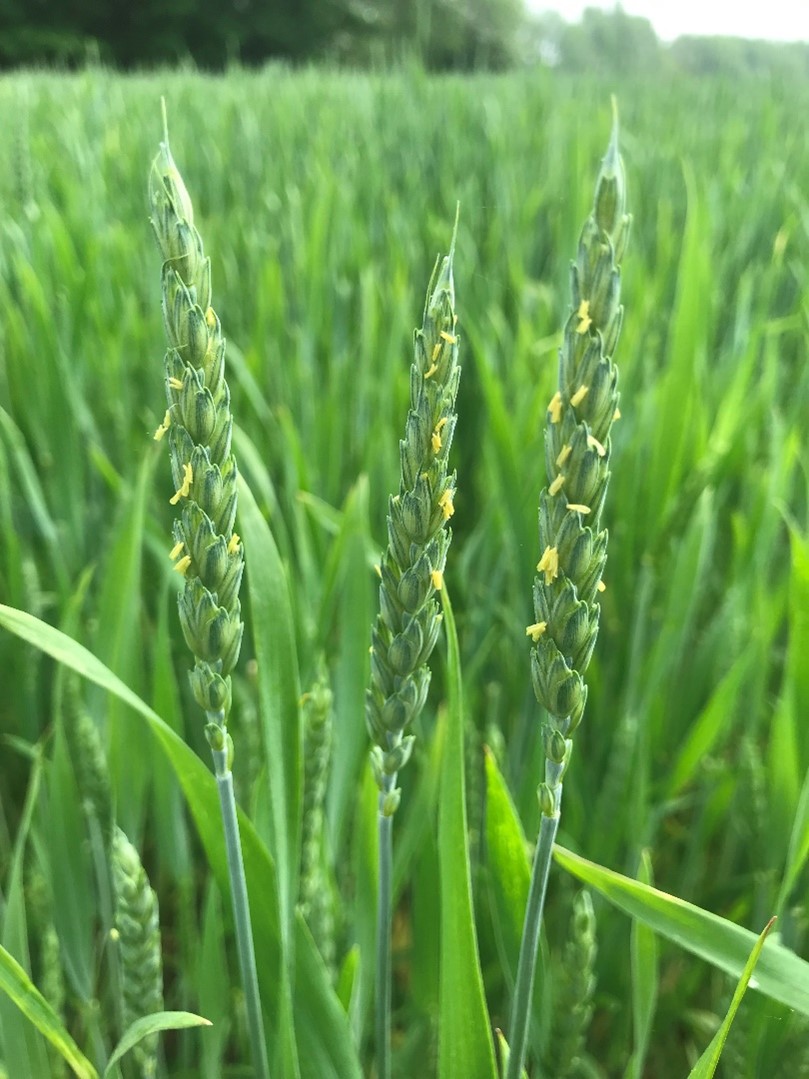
(411, 572)
(207, 551)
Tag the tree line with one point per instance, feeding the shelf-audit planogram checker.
(438, 34)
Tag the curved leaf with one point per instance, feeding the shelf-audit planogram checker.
(780, 974)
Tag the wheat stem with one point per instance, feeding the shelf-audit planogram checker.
(241, 912)
(383, 935)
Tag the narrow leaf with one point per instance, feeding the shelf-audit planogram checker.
(19, 987)
(465, 1039)
(152, 1024)
(706, 1065)
(781, 974)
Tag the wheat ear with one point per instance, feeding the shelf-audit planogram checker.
(573, 545)
(412, 571)
(207, 551)
(137, 932)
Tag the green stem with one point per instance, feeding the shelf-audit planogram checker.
(383, 931)
(524, 987)
(241, 912)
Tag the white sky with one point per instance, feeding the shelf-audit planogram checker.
(775, 20)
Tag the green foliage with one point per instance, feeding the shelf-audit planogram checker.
(321, 198)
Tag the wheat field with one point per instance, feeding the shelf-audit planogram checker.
(324, 198)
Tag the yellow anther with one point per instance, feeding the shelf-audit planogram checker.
(564, 453)
(432, 370)
(210, 318)
(185, 486)
(557, 484)
(436, 436)
(583, 314)
(549, 564)
(536, 631)
(183, 564)
(578, 507)
(445, 502)
(594, 444)
(450, 338)
(378, 570)
(164, 426)
(437, 577)
(233, 545)
(176, 549)
(175, 383)
(616, 414)
(579, 396)
(436, 351)
(555, 407)
(601, 586)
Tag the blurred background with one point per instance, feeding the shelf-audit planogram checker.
(643, 35)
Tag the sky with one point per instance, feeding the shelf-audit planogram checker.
(773, 20)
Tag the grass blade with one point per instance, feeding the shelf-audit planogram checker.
(781, 974)
(19, 987)
(465, 1038)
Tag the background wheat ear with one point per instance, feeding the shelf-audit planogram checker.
(137, 939)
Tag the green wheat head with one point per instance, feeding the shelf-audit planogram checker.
(412, 568)
(138, 935)
(577, 457)
(198, 425)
